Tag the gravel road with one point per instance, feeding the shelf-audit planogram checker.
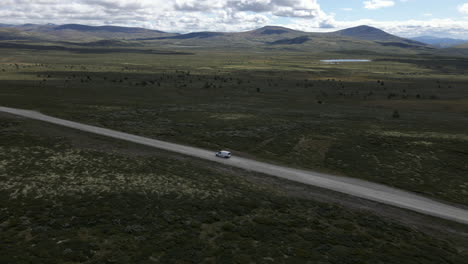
(355, 187)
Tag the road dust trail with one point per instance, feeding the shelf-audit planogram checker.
(355, 187)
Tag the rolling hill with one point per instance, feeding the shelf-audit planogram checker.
(84, 33)
(114, 29)
(10, 33)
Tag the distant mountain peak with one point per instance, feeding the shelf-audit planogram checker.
(365, 32)
(273, 30)
(273, 27)
(364, 29)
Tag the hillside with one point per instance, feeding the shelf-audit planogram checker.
(8, 33)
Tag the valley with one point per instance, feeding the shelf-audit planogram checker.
(399, 119)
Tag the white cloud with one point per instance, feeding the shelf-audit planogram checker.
(214, 15)
(463, 9)
(168, 15)
(376, 4)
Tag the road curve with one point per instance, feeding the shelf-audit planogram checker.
(355, 187)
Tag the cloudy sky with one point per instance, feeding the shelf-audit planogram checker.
(402, 17)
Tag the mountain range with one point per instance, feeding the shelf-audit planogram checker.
(362, 38)
(440, 42)
(74, 32)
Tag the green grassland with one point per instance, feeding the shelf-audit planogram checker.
(63, 202)
(397, 121)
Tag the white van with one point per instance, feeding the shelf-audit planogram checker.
(223, 154)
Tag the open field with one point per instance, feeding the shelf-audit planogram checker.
(69, 197)
(401, 122)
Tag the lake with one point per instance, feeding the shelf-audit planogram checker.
(345, 60)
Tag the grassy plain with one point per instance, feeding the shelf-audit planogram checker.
(397, 121)
(81, 199)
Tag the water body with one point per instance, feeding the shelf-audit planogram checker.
(345, 60)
